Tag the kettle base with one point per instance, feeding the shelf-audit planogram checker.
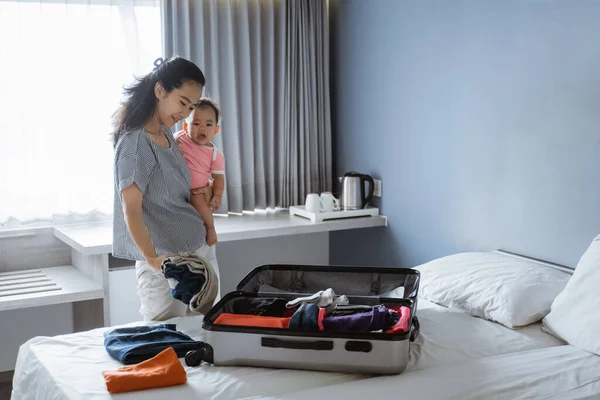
(351, 208)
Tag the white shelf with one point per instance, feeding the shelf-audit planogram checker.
(46, 286)
(333, 215)
(96, 238)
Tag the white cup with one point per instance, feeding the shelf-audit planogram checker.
(314, 203)
(330, 203)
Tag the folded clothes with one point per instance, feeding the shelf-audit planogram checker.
(184, 282)
(252, 320)
(184, 272)
(162, 370)
(403, 322)
(131, 345)
(348, 309)
(265, 306)
(323, 298)
(305, 318)
(379, 318)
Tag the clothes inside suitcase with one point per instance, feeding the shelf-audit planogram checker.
(358, 335)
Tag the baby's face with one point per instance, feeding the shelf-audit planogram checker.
(203, 127)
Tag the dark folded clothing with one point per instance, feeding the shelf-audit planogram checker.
(189, 283)
(351, 309)
(374, 320)
(305, 318)
(266, 307)
(132, 345)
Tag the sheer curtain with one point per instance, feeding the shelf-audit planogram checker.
(267, 64)
(63, 65)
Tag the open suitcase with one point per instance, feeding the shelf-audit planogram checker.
(338, 351)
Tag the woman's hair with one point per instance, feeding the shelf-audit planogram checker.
(140, 102)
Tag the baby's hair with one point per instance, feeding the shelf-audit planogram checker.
(207, 102)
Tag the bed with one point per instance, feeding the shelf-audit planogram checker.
(568, 372)
(560, 372)
(453, 340)
(47, 366)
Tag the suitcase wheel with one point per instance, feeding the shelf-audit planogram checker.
(194, 358)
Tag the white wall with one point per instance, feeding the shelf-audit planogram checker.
(236, 259)
(17, 326)
(483, 125)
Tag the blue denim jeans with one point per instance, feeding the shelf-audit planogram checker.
(132, 345)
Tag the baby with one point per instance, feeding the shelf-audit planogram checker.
(205, 161)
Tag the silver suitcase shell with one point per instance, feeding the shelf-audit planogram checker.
(350, 352)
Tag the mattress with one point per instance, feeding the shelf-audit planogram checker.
(449, 336)
(561, 372)
(70, 366)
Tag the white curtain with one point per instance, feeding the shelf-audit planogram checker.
(63, 65)
(267, 64)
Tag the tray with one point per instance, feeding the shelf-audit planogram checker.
(300, 211)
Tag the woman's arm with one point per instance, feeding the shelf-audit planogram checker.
(132, 209)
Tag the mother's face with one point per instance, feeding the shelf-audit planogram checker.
(177, 105)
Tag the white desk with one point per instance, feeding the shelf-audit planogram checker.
(91, 245)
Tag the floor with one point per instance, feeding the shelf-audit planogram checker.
(5, 385)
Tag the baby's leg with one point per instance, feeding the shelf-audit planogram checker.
(208, 194)
(198, 199)
(201, 204)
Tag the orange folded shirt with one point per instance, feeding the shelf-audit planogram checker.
(252, 320)
(162, 370)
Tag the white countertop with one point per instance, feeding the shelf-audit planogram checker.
(96, 238)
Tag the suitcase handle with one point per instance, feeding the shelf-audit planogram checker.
(296, 344)
(416, 329)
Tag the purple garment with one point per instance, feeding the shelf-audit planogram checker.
(374, 320)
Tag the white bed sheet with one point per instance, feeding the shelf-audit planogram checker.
(70, 366)
(560, 372)
(449, 336)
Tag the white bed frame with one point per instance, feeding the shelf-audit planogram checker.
(559, 267)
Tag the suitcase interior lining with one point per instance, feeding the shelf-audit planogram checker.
(363, 300)
(345, 281)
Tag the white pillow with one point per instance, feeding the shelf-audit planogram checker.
(493, 286)
(575, 313)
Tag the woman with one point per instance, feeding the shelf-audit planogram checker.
(153, 217)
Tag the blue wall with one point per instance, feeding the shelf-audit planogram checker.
(482, 118)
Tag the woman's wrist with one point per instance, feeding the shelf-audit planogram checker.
(150, 258)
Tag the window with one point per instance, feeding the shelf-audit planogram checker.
(63, 65)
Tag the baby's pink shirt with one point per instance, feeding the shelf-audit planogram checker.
(201, 160)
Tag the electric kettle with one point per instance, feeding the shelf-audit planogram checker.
(353, 191)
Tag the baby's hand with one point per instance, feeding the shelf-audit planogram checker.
(211, 236)
(215, 203)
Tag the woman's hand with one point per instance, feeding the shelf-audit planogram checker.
(156, 262)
